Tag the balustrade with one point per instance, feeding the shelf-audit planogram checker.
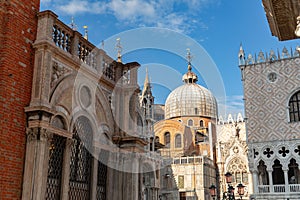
(72, 42)
(293, 188)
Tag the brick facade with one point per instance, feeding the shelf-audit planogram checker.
(18, 24)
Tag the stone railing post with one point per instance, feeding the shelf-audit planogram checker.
(45, 25)
(74, 44)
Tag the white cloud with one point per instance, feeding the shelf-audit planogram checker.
(132, 9)
(233, 105)
(82, 6)
(178, 15)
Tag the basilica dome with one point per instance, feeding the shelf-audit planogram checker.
(190, 99)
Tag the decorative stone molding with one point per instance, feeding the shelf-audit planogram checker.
(281, 150)
(58, 71)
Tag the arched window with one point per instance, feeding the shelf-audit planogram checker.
(294, 107)
(59, 122)
(238, 169)
(81, 159)
(277, 174)
(178, 141)
(263, 177)
(167, 139)
(55, 167)
(190, 122)
(293, 172)
(201, 123)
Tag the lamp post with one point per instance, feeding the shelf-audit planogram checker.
(230, 189)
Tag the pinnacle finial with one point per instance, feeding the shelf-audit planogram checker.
(85, 32)
(119, 49)
(73, 25)
(189, 59)
(146, 77)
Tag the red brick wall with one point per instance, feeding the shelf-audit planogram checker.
(18, 24)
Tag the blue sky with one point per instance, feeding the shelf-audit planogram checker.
(212, 29)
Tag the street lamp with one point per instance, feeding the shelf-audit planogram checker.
(230, 189)
(212, 191)
(228, 177)
(241, 190)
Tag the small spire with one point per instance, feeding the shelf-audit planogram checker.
(147, 86)
(146, 82)
(241, 55)
(102, 44)
(189, 58)
(73, 25)
(85, 32)
(119, 49)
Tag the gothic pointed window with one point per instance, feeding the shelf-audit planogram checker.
(294, 107)
(293, 172)
(178, 141)
(263, 178)
(277, 174)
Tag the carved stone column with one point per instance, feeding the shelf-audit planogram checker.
(286, 180)
(66, 170)
(255, 181)
(271, 180)
(94, 174)
(36, 164)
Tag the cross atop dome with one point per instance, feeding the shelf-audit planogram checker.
(189, 58)
(189, 77)
(119, 49)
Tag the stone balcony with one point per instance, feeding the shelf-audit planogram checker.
(69, 43)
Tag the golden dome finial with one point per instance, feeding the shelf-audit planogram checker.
(189, 59)
(119, 48)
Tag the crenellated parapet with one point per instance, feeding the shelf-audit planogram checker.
(231, 119)
(264, 57)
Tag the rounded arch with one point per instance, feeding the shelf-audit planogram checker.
(62, 96)
(103, 109)
(201, 123)
(58, 121)
(167, 139)
(61, 93)
(294, 107)
(82, 119)
(190, 122)
(178, 140)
